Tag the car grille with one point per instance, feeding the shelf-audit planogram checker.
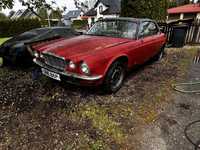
(55, 61)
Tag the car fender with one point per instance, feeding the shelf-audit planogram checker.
(112, 61)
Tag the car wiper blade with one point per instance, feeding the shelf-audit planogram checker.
(96, 34)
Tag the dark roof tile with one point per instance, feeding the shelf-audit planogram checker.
(72, 14)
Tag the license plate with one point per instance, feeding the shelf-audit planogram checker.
(51, 74)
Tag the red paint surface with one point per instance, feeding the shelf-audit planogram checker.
(190, 8)
(99, 52)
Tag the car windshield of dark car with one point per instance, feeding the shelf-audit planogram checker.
(23, 36)
(40, 30)
(119, 29)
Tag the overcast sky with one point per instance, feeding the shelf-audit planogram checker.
(68, 3)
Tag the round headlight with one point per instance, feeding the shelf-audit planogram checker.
(84, 68)
(72, 65)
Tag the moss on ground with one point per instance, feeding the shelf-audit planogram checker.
(100, 119)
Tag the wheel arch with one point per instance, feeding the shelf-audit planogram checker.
(123, 58)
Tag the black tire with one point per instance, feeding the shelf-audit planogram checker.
(114, 77)
(160, 55)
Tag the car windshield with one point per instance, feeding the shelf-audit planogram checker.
(114, 28)
(40, 30)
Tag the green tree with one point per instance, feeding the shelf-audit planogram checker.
(172, 4)
(3, 16)
(32, 5)
(11, 13)
(6, 4)
(42, 12)
(56, 14)
(154, 9)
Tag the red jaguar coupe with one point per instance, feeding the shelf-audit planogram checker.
(104, 54)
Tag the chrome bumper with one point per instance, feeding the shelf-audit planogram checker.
(68, 74)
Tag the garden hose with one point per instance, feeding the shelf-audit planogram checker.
(180, 87)
(196, 145)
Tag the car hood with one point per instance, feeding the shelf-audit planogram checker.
(27, 37)
(80, 45)
(21, 38)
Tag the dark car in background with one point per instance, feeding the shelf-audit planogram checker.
(15, 51)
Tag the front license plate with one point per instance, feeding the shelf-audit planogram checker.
(51, 74)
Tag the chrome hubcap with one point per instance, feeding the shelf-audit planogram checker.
(117, 77)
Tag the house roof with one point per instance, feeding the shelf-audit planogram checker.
(114, 7)
(72, 14)
(189, 8)
(23, 13)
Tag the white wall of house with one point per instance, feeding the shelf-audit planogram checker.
(91, 20)
(100, 8)
(184, 16)
(111, 16)
(198, 15)
(90, 3)
(181, 16)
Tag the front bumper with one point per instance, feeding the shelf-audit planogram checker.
(68, 74)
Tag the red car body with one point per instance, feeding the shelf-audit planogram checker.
(99, 53)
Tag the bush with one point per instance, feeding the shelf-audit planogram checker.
(9, 28)
(79, 24)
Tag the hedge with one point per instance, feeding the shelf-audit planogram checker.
(79, 24)
(9, 28)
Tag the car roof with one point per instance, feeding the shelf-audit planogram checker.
(129, 19)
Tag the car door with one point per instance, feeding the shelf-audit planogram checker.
(148, 35)
(157, 38)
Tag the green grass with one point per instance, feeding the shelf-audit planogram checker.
(2, 40)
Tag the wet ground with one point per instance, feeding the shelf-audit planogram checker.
(145, 114)
(167, 132)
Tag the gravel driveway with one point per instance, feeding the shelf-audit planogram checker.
(145, 114)
(167, 132)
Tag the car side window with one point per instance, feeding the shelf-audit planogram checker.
(148, 28)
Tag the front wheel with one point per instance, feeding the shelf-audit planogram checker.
(115, 77)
